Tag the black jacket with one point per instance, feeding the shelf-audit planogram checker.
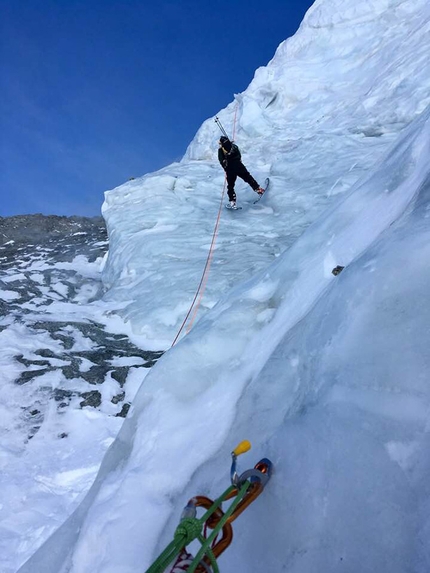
(229, 156)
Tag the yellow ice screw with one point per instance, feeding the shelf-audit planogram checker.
(243, 447)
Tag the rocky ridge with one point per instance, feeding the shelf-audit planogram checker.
(51, 262)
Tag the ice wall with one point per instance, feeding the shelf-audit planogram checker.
(326, 375)
(315, 119)
(337, 396)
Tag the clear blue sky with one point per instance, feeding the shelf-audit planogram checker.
(93, 92)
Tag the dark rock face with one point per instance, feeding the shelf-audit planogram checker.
(50, 262)
(58, 238)
(41, 229)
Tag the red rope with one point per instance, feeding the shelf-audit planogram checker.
(205, 275)
(202, 285)
(203, 281)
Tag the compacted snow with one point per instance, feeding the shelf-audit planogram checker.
(327, 375)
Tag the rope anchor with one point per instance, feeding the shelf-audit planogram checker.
(244, 489)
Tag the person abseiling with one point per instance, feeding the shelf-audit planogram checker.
(231, 161)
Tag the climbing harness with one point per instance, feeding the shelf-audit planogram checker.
(244, 489)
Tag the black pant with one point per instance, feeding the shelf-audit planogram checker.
(235, 171)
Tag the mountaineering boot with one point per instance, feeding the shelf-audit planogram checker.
(260, 190)
(233, 205)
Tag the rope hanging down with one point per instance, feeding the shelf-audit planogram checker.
(202, 285)
(203, 281)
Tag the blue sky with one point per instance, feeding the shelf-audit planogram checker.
(94, 92)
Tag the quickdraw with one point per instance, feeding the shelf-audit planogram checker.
(244, 489)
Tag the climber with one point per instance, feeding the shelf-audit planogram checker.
(230, 159)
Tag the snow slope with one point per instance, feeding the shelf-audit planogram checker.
(328, 376)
